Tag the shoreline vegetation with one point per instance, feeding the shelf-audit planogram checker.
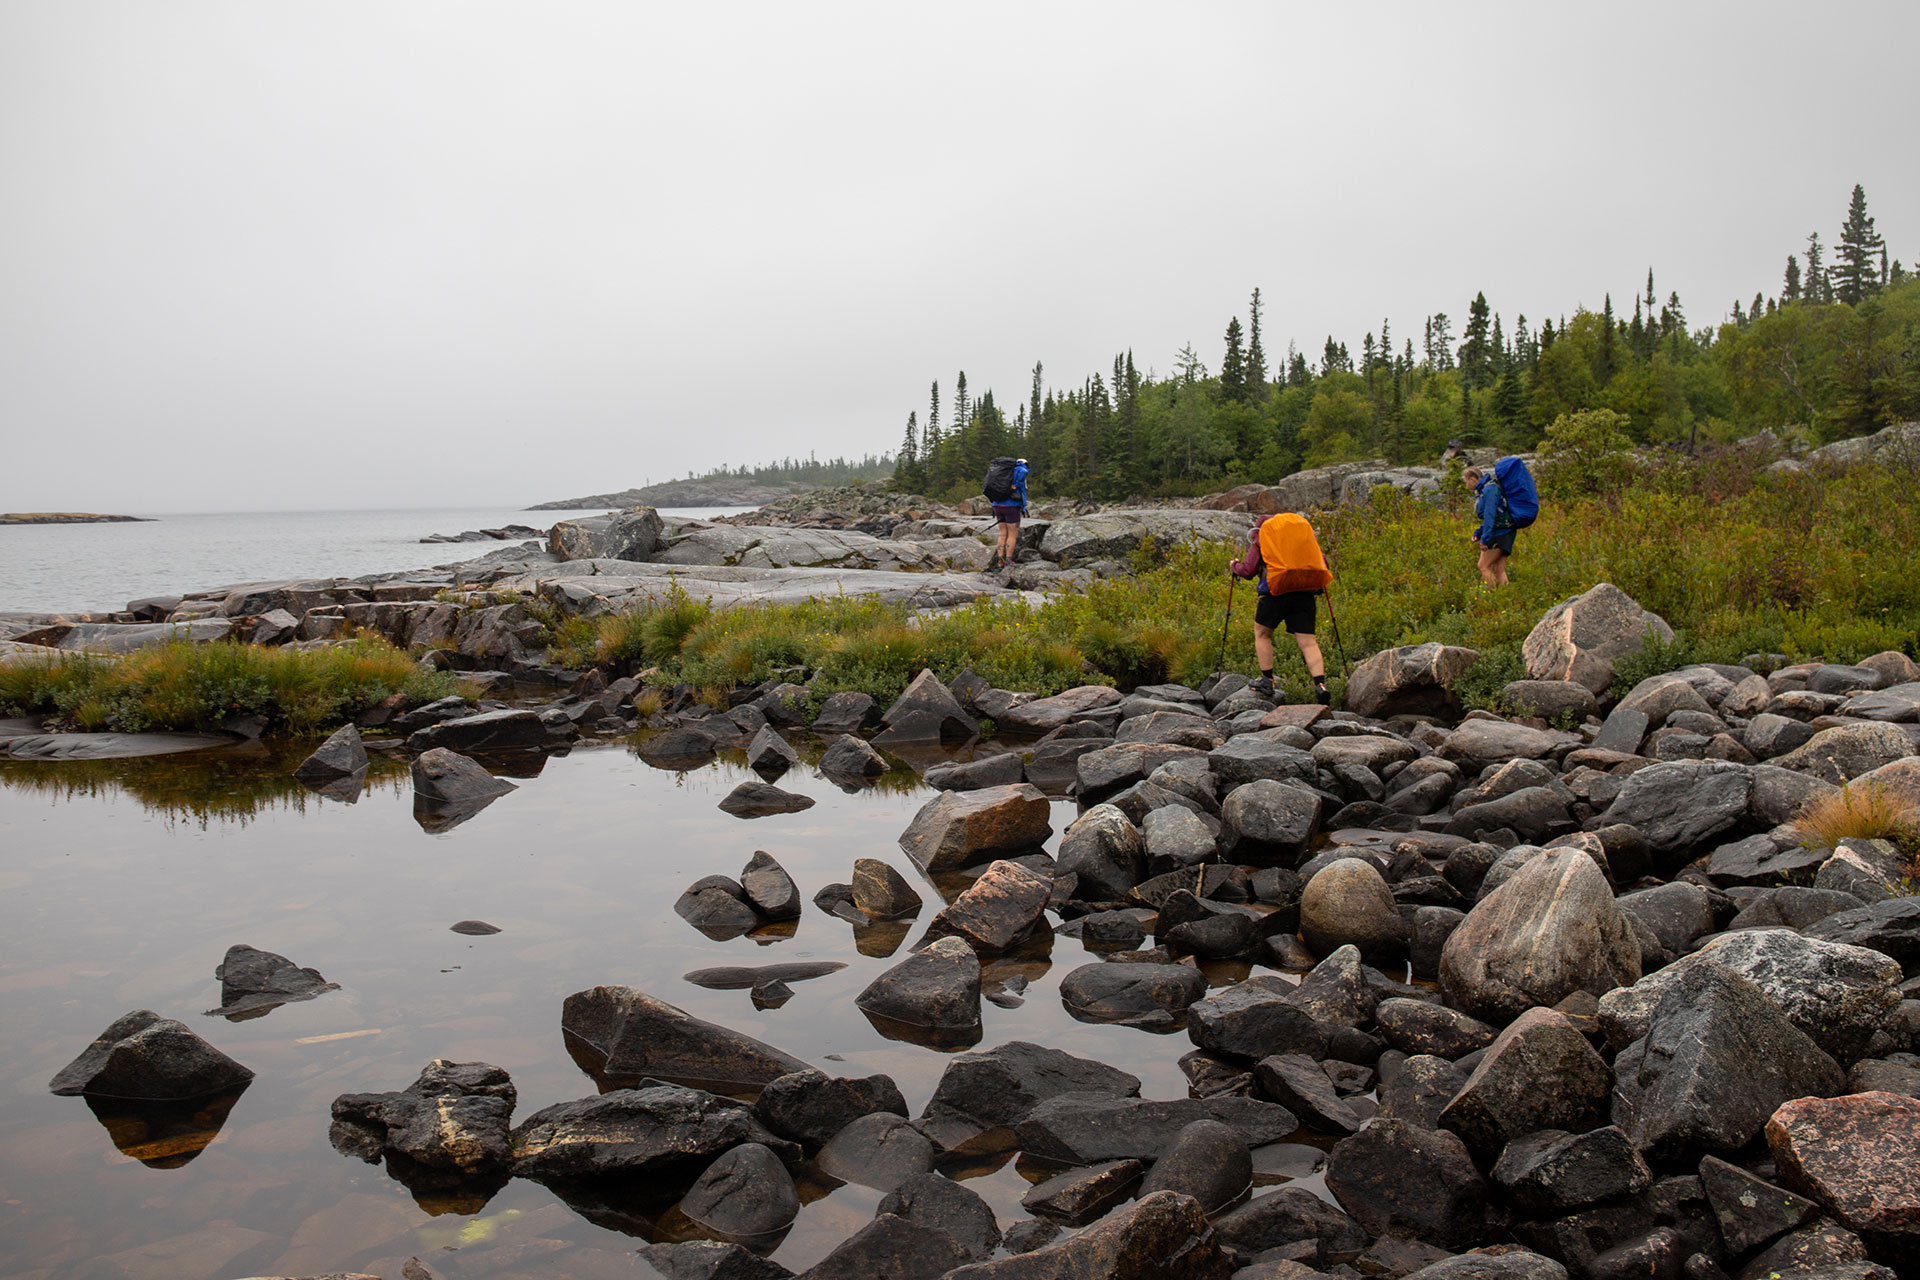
(68, 517)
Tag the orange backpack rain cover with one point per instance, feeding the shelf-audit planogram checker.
(1292, 555)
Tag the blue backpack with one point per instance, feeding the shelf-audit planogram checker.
(1516, 485)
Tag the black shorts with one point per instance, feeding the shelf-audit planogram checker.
(1296, 608)
(1502, 541)
(1006, 514)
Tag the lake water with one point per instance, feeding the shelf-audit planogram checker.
(122, 884)
(47, 568)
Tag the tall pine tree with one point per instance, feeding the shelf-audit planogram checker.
(1857, 259)
(1256, 354)
(1233, 366)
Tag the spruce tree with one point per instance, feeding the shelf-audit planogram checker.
(1856, 266)
(1814, 284)
(1605, 371)
(1233, 366)
(1298, 374)
(1033, 401)
(1256, 354)
(1440, 341)
(1475, 355)
(906, 468)
(962, 411)
(1790, 290)
(1759, 306)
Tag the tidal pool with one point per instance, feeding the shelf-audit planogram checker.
(123, 883)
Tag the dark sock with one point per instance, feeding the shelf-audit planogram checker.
(1266, 675)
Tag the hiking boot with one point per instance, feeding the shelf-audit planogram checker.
(993, 562)
(1320, 694)
(1263, 686)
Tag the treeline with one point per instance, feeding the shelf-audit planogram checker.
(1836, 352)
(809, 470)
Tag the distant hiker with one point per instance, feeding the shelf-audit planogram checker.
(1283, 557)
(1006, 489)
(1505, 502)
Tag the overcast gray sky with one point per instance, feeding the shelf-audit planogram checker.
(263, 254)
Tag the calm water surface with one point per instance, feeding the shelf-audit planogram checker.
(58, 567)
(123, 883)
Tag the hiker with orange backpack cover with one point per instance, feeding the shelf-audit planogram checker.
(1283, 557)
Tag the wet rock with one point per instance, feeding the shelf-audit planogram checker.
(1750, 1210)
(1423, 1027)
(710, 1260)
(679, 748)
(769, 754)
(927, 711)
(1255, 1019)
(746, 1192)
(1581, 638)
(938, 987)
(929, 1200)
(851, 757)
(1208, 1161)
(717, 906)
(811, 1107)
(1001, 770)
(760, 799)
(1553, 929)
(1112, 768)
(767, 981)
(1259, 757)
(1267, 821)
(1412, 680)
(1550, 1172)
(1682, 803)
(254, 981)
(1717, 1059)
(448, 778)
(627, 1035)
(1086, 1129)
(769, 889)
(1348, 903)
(1860, 1157)
(489, 731)
(1846, 752)
(1079, 1196)
(1289, 1216)
(882, 892)
(1002, 1085)
(1821, 1250)
(1539, 1074)
(1163, 1237)
(1132, 994)
(1025, 1237)
(847, 712)
(1105, 851)
(145, 1057)
(1839, 995)
(453, 1121)
(1419, 1089)
(656, 1131)
(997, 909)
(1392, 1177)
(1043, 714)
(957, 829)
(1297, 1083)
(340, 756)
(1338, 990)
(1177, 838)
(1764, 859)
(1212, 931)
(1677, 913)
(880, 1150)
(890, 1247)
(1054, 767)
(473, 928)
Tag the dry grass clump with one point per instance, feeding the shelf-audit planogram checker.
(1860, 811)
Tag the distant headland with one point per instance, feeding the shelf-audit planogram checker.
(67, 517)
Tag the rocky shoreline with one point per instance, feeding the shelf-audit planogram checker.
(1555, 1001)
(68, 517)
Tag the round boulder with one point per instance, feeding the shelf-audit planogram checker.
(1349, 902)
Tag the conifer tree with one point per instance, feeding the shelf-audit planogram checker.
(962, 411)
(1475, 357)
(1033, 402)
(906, 468)
(1439, 341)
(1759, 305)
(1814, 285)
(1637, 332)
(1856, 273)
(1605, 371)
(1233, 366)
(1256, 354)
(1790, 290)
(1298, 375)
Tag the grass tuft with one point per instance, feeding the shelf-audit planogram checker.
(1860, 811)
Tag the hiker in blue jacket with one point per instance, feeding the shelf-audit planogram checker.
(1496, 531)
(1006, 515)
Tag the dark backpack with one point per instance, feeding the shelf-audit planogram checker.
(999, 487)
(1517, 487)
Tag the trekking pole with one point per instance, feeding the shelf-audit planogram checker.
(1225, 623)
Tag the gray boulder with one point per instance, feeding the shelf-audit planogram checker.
(941, 1204)
(634, 1036)
(1349, 902)
(1848, 751)
(1395, 1178)
(746, 1192)
(341, 756)
(1105, 851)
(999, 908)
(1146, 995)
(634, 1133)
(754, 799)
(1002, 770)
(1177, 838)
(938, 987)
(1551, 930)
(1269, 821)
(1079, 1129)
(1551, 699)
(1478, 743)
(1411, 680)
(851, 757)
(633, 534)
(882, 892)
(1580, 638)
(448, 778)
(810, 1106)
(926, 711)
(1044, 714)
(1208, 1161)
(957, 829)
(880, 1150)
(1163, 1237)
(1115, 535)
(1682, 803)
(253, 981)
(1539, 1074)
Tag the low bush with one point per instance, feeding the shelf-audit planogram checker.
(184, 687)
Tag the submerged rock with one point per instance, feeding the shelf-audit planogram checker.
(759, 799)
(746, 1192)
(938, 987)
(655, 1131)
(454, 1119)
(811, 1107)
(340, 756)
(254, 981)
(146, 1057)
(629, 1035)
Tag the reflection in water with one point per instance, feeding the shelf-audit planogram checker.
(164, 1135)
(231, 784)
